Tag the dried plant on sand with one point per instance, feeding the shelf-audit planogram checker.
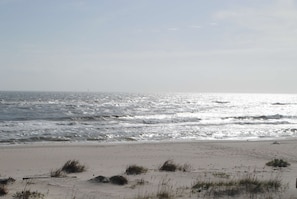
(73, 166)
(169, 165)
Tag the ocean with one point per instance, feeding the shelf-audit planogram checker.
(27, 117)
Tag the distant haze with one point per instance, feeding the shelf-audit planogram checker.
(149, 45)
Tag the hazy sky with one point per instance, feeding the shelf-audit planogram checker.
(149, 45)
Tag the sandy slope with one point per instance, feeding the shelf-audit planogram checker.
(206, 159)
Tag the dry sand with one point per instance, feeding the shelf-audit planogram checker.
(214, 160)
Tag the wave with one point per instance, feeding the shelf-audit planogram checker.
(173, 120)
(92, 118)
(35, 139)
(163, 119)
(261, 117)
(221, 102)
(67, 118)
(260, 123)
(283, 104)
(280, 104)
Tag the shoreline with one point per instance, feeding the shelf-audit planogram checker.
(234, 158)
(132, 142)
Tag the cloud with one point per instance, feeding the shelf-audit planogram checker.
(173, 29)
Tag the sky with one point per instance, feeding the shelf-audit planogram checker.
(230, 46)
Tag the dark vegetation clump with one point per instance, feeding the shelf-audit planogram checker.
(118, 180)
(3, 190)
(27, 194)
(73, 166)
(278, 163)
(135, 170)
(170, 166)
(6, 181)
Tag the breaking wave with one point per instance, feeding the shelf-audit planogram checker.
(122, 117)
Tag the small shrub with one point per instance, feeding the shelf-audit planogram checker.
(278, 163)
(73, 166)
(57, 173)
(135, 170)
(169, 165)
(118, 180)
(3, 190)
(27, 194)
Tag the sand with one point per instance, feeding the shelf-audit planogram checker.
(208, 160)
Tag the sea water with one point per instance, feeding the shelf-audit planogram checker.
(123, 117)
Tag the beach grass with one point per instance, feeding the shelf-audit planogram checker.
(248, 185)
(208, 176)
(171, 166)
(58, 173)
(73, 166)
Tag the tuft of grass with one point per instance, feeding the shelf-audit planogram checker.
(3, 190)
(170, 166)
(27, 194)
(278, 163)
(118, 180)
(165, 190)
(221, 175)
(135, 170)
(73, 166)
(58, 173)
(247, 185)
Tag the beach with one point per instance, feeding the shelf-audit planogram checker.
(30, 165)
